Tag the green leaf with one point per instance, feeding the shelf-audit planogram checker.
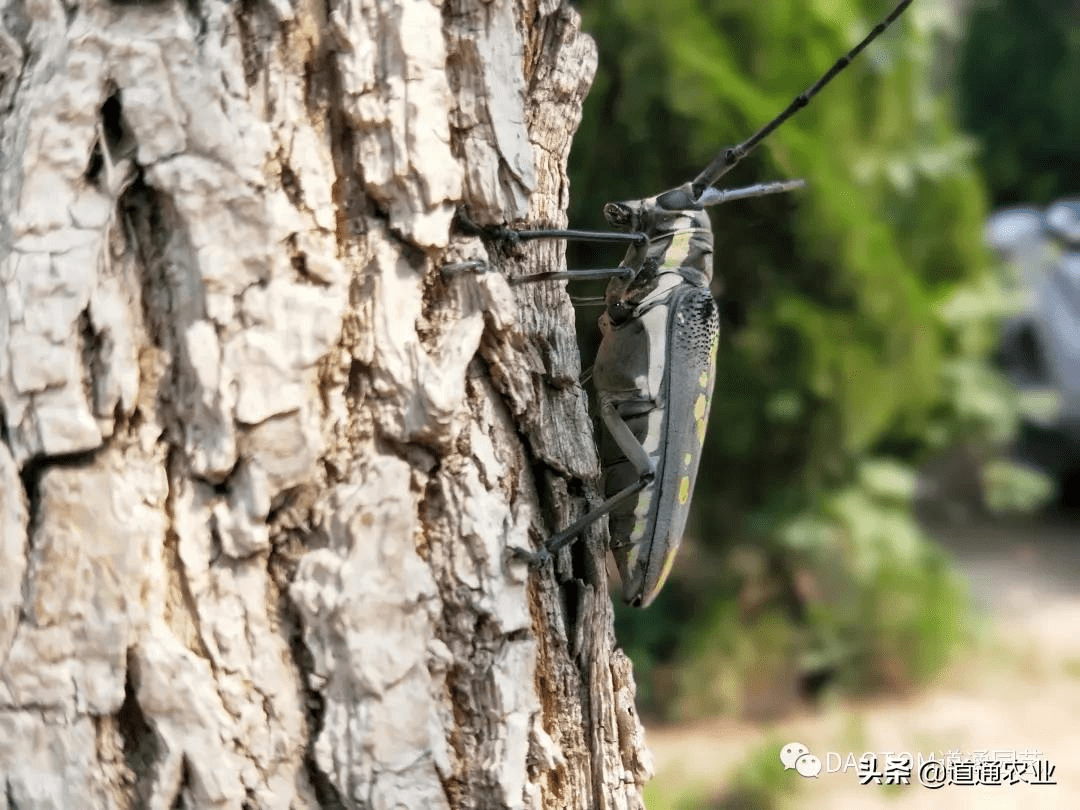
(888, 479)
(1013, 487)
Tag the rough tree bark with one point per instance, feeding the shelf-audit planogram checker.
(259, 461)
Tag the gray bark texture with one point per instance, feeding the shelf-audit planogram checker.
(260, 461)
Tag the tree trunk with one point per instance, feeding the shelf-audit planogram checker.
(260, 461)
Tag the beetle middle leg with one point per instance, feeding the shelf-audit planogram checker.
(573, 275)
(643, 465)
(481, 266)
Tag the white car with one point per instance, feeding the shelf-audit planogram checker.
(1040, 349)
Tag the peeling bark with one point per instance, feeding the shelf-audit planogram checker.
(260, 461)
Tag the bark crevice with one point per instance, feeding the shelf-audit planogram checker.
(140, 744)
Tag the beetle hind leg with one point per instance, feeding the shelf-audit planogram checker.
(564, 538)
(644, 467)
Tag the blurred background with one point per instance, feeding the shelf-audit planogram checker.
(883, 554)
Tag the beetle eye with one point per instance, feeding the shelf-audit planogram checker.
(619, 215)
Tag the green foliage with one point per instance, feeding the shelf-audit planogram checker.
(889, 606)
(1018, 80)
(857, 319)
(1016, 488)
(735, 665)
(663, 794)
(758, 783)
(878, 607)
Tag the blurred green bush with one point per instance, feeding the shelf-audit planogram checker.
(759, 782)
(858, 317)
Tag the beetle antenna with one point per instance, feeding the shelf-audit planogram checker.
(727, 158)
(713, 196)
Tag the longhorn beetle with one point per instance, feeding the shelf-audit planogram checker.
(656, 365)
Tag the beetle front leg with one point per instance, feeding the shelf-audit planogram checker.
(643, 465)
(502, 233)
(631, 237)
(481, 266)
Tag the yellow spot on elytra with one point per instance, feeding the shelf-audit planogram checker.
(712, 350)
(639, 529)
(665, 571)
(684, 489)
(704, 379)
(700, 406)
(686, 459)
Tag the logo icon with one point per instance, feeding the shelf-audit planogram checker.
(808, 765)
(790, 754)
(796, 755)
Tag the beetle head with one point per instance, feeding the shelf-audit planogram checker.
(657, 215)
(678, 230)
(623, 216)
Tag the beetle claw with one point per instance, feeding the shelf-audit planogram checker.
(496, 233)
(533, 559)
(503, 234)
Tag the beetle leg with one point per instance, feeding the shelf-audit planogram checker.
(567, 535)
(501, 232)
(481, 266)
(588, 300)
(574, 275)
(457, 268)
(626, 440)
(635, 454)
(635, 237)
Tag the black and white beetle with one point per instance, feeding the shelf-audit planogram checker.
(655, 368)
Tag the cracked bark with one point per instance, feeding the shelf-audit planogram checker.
(260, 462)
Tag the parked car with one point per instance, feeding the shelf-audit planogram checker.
(1040, 347)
